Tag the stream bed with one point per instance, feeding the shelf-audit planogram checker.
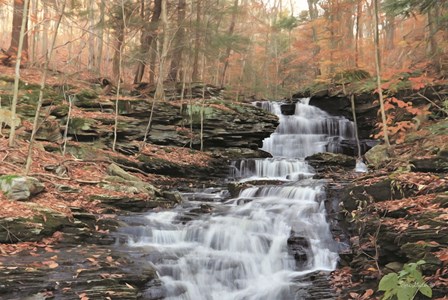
(270, 242)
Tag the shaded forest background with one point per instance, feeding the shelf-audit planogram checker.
(255, 48)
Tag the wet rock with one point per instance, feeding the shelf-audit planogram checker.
(132, 204)
(174, 197)
(315, 286)
(340, 105)
(160, 166)
(298, 247)
(381, 190)
(20, 187)
(434, 164)
(331, 159)
(288, 109)
(238, 153)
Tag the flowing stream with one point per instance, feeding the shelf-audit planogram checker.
(258, 245)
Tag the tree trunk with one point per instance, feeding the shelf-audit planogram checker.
(91, 65)
(433, 51)
(15, 96)
(35, 34)
(378, 73)
(314, 13)
(197, 42)
(20, 13)
(390, 32)
(159, 94)
(48, 56)
(147, 40)
(119, 39)
(358, 32)
(179, 39)
(229, 47)
(99, 56)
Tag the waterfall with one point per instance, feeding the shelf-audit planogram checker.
(258, 245)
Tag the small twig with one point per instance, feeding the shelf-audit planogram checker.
(371, 176)
(50, 175)
(10, 164)
(6, 155)
(432, 102)
(10, 234)
(88, 181)
(131, 168)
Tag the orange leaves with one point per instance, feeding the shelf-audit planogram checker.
(418, 83)
(396, 111)
(50, 264)
(365, 296)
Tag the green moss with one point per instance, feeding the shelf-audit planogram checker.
(60, 110)
(78, 124)
(439, 128)
(351, 75)
(316, 87)
(87, 94)
(8, 178)
(194, 112)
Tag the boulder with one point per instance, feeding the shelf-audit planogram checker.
(434, 164)
(377, 156)
(331, 159)
(20, 187)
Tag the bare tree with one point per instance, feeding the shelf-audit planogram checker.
(48, 55)
(378, 73)
(24, 15)
(19, 28)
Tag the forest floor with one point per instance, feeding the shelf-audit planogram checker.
(397, 214)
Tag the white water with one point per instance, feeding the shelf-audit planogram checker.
(240, 252)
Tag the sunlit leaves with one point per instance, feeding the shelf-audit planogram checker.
(405, 284)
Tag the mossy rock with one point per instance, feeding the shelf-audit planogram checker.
(436, 164)
(31, 96)
(161, 166)
(351, 75)
(331, 159)
(84, 151)
(43, 224)
(195, 111)
(77, 125)
(442, 200)
(377, 156)
(20, 187)
(132, 204)
(422, 250)
(26, 110)
(87, 99)
(60, 111)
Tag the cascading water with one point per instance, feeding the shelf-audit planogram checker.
(243, 249)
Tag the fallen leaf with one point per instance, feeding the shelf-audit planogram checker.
(129, 286)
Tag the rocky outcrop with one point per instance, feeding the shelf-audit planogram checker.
(332, 99)
(224, 124)
(20, 229)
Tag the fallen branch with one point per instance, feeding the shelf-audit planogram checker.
(433, 103)
(50, 175)
(88, 181)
